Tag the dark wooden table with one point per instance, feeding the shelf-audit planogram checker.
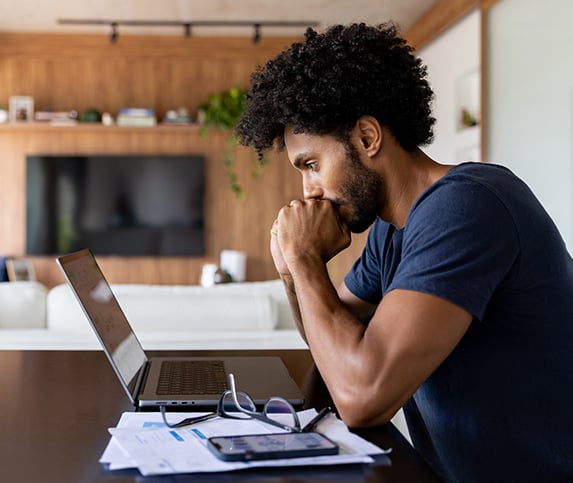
(56, 406)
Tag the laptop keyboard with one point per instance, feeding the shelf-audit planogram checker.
(192, 377)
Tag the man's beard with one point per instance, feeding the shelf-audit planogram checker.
(363, 194)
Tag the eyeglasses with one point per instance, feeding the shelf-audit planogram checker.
(235, 404)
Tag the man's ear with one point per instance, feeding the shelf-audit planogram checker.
(370, 133)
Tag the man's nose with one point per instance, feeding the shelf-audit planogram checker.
(312, 190)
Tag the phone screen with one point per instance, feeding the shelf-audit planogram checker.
(269, 446)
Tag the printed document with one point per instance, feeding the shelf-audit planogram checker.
(141, 440)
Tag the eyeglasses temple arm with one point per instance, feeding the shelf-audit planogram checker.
(186, 421)
(266, 419)
(234, 397)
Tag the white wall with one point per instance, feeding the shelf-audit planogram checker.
(530, 99)
(453, 61)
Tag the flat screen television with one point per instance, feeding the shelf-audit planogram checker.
(127, 205)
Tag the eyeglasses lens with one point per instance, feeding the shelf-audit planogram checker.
(282, 412)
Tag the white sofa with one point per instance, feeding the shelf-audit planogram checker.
(250, 315)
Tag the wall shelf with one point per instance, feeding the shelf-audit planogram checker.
(468, 99)
(96, 127)
(81, 72)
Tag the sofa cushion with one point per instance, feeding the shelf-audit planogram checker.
(274, 288)
(22, 305)
(173, 307)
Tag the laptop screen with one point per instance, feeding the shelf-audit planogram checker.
(102, 309)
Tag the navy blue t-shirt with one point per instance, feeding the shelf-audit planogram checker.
(500, 407)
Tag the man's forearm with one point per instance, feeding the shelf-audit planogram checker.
(293, 302)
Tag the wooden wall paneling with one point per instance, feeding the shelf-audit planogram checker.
(437, 19)
(65, 72)
(15, 234)
(242, 225)
(485, 5)
(86, 71)
(11, 174)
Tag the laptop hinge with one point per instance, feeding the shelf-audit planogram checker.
(140, 381)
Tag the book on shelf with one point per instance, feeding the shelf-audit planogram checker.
(55, 116)
(137, 111)
(177, 122)
(136, 121)
(179, 117)
(136, 116)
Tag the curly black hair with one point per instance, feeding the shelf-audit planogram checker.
(326, 83)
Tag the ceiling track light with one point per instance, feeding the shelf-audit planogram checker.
(187, 26)
(257, 33)
(114, 34)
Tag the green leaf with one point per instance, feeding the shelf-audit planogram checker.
(222, 111)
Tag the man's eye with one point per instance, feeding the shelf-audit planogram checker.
(311, 165)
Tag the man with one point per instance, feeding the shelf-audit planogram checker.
(460, 307)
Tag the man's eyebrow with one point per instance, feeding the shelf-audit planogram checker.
(299, 160)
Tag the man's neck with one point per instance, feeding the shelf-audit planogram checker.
(407, 175)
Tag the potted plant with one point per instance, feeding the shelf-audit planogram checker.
(222, 111)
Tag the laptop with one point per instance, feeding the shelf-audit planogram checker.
(175, 381)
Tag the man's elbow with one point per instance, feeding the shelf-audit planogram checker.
(357, 413)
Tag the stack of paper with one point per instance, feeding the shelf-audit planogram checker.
(142, 441)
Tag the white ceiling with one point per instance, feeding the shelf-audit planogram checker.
(43, 15)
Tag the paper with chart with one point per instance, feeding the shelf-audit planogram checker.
(141, 440)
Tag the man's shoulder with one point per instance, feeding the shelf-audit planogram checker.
(493, 178)
(486, 174)
(475, 186)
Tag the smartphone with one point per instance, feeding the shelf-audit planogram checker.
(271, 446)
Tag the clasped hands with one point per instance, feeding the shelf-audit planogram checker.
(308, 231)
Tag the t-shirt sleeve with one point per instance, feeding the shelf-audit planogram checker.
(364, 278)
(460, 243)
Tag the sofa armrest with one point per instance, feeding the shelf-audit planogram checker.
(22, 305)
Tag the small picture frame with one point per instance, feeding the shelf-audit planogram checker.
(19, 269)
(21, 109)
